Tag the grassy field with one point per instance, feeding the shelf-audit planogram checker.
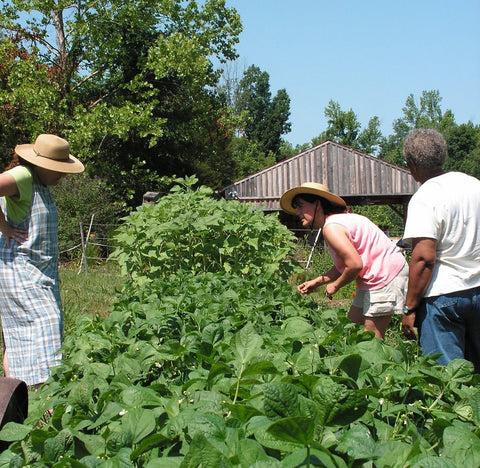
(88, 293)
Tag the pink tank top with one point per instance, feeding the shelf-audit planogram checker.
(382, 259)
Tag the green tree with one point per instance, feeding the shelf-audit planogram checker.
(463, 143)
(131, 80)
(267, 118)
(344, 127)
(426, 114)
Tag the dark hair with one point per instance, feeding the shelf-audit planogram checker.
(327, 206)
(18, 161)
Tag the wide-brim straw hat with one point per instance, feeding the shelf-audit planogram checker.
(311, 188)
(50, 152)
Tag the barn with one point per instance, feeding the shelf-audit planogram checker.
(359, 178)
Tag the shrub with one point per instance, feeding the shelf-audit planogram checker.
(188, 230)
(77, 199)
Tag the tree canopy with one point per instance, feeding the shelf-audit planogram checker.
(135, 87)
(128, 83)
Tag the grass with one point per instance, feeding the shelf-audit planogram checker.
(90, 293)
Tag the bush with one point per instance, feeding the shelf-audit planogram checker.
(77, 199)
(188, 230)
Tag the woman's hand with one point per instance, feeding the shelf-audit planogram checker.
(11, 233)
(330, 290)
(308, 286)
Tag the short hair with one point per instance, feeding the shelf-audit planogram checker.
(426, 147)
(327, 206)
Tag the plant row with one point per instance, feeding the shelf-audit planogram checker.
(215, 361)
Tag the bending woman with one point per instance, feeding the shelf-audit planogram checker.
(30, 306)
(360, 252)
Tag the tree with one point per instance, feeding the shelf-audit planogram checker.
(131, 80)
(463, 143)
(427, 114)
(267, 118)
(344, 127)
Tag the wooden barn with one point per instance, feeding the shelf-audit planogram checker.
(360, 179)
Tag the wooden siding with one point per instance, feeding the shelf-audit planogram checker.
(357, 177)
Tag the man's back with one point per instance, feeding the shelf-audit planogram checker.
(447, 208)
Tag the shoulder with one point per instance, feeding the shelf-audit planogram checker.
(20, 173)
(335, 223)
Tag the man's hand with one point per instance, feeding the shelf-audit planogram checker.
(408, 322)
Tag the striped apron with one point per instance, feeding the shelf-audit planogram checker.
(30, 305)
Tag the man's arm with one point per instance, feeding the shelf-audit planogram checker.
(420, 273)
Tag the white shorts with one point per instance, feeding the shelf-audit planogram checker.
(384, 301)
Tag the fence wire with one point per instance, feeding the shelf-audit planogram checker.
(95, 243)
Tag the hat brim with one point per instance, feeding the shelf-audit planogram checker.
(70, 166)
(287, 198)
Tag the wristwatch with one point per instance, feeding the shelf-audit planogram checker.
(410, 311)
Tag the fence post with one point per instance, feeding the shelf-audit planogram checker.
(84, 245)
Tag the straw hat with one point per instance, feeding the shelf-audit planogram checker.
(312, 188)
(50, 152)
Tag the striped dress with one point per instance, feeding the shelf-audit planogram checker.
(30, 305)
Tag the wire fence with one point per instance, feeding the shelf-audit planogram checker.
(95, 243)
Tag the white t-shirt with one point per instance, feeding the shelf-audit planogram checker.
(447, 208)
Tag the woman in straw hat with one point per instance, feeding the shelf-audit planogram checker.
(360, 251)
(30, 306)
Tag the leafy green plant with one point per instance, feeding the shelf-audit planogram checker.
(203, 367)
(188, 230)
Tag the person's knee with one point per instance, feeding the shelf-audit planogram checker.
(378, 325)
(355, 314)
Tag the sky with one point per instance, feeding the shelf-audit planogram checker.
(368, 56)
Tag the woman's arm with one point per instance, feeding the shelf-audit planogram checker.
(309, 286)
(339, 241)
(8, 187)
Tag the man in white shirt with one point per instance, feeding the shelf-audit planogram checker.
(443, 228)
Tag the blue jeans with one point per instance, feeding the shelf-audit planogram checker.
(450, 325)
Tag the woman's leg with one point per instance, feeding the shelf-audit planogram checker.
(378, 325)
(355, 314)
(6, 370)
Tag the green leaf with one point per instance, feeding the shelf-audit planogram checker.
(246, 343)
(459, 370)
(357, 443)
(337, 404)
(243, 412)
(140, 422)
(251, 453)
(202, 453)
(260, 368)
(211, 426)
(138, 397)
(280, 400)
(14, 431)
(461, 445)
(259, 425)
(219, 368)
(297, 328)
(297, 429)
(317, 458)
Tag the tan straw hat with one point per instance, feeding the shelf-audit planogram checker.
(50, 152)
(311, 188)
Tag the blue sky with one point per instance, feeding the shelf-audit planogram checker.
(366, 55)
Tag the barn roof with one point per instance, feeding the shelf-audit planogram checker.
(357, 177)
